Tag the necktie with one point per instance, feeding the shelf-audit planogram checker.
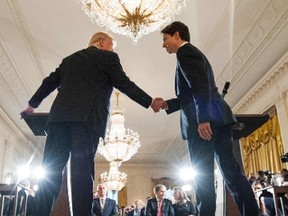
(102, 204)
(160, 208)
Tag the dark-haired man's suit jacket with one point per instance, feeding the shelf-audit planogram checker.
(152, 207)
(110, 208)
(199, 101)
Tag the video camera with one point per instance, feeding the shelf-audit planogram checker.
(284, 158)
(265, 176)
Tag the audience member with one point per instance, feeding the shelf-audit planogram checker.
(182, 206)
(127, 209)
(25, 202)
(95, 195)
(138, 210)
(159, 205)
(103, 206)
(264, 198)
(251, 177)
(284, 174)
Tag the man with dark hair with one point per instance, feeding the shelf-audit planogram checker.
(206, 124)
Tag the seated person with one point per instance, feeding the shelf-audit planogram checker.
(103, 206)
(284, 174)
(25, 200)
(266, 202)
(138, 210)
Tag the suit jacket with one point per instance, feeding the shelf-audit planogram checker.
(85, 81)
(197, 95)
(110, 208)
(152, 207)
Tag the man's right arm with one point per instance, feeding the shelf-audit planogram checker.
(173, 105)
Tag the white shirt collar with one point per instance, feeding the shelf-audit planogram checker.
(185, 42)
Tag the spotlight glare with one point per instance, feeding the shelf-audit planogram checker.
(39, 172)
(23, 172)
(187, 173)
(186, 187)
(35, 188)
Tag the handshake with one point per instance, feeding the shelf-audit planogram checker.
(158, 104)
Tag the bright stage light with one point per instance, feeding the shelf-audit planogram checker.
(186, 187)
(39, 173)
(187, 173)
(23, 172)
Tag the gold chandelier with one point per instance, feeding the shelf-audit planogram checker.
(120, 144)
(114, 179)
(132, 18)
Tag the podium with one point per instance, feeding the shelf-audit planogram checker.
(247, 123)
(245, 126)
(37, 123)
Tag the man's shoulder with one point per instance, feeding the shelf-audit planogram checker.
(110, 200)
(152, 200)
(167, 200)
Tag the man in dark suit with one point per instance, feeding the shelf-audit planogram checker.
(103, 206)
(159, 206)
(78, 117)
(206, 124)
(138, 210)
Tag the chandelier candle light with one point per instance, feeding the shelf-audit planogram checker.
(132, 18)
(114, 180)
(120, 144)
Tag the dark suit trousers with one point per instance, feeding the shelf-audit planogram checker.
(202, 154)
(65, 138)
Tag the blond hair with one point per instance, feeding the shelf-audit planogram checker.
(182, 194)
(98, 36)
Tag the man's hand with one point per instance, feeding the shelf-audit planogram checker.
(158, 104)
(205, 130)
(28, 110)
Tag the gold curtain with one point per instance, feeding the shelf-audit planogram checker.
(122, 197)
(262, 149)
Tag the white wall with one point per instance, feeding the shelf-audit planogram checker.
(15, 149)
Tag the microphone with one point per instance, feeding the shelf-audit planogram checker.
(225, 89)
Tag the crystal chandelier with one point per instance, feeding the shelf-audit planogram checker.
(114, 180)
(132, 18)
(120, 144)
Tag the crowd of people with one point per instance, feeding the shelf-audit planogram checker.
(159, 205)
(264, 198)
